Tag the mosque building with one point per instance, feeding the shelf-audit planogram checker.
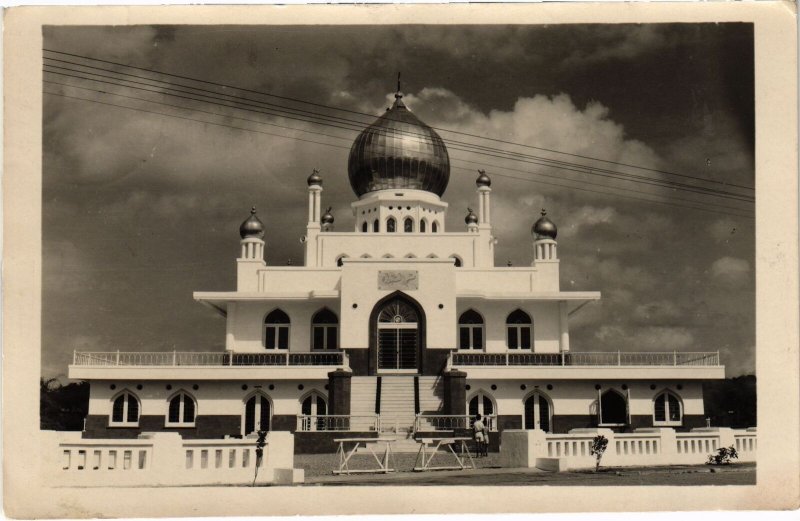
(395, 328)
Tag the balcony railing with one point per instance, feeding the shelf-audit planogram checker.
(449, 422)
(338, 422)
(612, 359)
(198, 359)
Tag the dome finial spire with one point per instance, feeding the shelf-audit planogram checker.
(398, 94)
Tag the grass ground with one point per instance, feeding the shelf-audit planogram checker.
(319, 468)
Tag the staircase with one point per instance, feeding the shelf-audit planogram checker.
(363, 390)
(397, 404)
(431, 394)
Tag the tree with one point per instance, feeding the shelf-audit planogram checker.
(260, 443)
(723, 456)
(599, 446)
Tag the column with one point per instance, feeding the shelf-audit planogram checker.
(455, 392)
(339, 392)
(563, 326)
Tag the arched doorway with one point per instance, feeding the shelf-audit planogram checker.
(398, 323)
(538, 412)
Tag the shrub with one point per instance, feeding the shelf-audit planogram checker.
(599, 446)
(723, 456)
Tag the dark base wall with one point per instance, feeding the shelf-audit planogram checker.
(322, 442)
(359, 361)
(207, 427)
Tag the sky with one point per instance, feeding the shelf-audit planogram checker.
(141, 205)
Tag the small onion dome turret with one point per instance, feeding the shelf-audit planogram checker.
(483, 179)
(471, 218)
(327, 217)
(398, 151)
(252, 226)
(314, 178)
(544, 227)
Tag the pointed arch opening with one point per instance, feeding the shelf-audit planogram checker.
(408, 225)
(456, 261)
(376, 226)
(276, 330)
(538, 411)
(125, 410)
(324, 330)
(667, 409)
(391, 224)
(257, 413)
(397, 335)
(519, 330)
(434, 227)
(423, 226)
(364, 227)
(181, 410)
(613, 408)
(482, 403)
(313, 410)
(471, 330)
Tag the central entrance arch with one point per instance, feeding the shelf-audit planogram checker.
(397, 335)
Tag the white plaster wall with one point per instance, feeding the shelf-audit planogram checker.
(248, 323)
(436, 286)
(217, 398)
(572, 398)
(541, 278)
(545, 316)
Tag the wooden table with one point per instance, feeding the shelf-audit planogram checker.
(424, 458)
(384, 465)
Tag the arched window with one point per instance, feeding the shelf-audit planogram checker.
(408, 225)
(181, 412)
(364, 227)
(456, 261)
(432, 256)
(410, 256)
(324, 330)
(276, 330)
(538, 412)
(518, 330)
(340, 260)
(667, 409)
(482, 404)
(125, 410)
(434, 227)
(390, 225)
(470, 330)
(613, 408)
(388, 256)
(376, 226)
(257, 414)
(314, 408)
(423, 225)
(366, 256)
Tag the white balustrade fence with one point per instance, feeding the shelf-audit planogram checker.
(522, 448)
(167, 459)
(338, 422)
(449, 422)
(201, 359)
(608, 359)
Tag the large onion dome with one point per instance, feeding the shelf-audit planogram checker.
(544, 227)
(398, 151)
(252, 226)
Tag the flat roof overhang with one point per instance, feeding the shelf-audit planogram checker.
(218, 301)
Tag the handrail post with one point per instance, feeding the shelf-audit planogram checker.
(117, 356)
(562, 358)
(717, 356)
(174, 358)
(74, 356)
(287, 357)
(674, 358)
(506, 357)
(619, 358)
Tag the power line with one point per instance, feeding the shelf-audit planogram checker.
(348, 140)
(584, 169)
(296, 100)
(347, 148)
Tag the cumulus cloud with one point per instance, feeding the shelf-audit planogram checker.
(731, 270)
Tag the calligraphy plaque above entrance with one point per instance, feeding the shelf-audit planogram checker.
(398, 279)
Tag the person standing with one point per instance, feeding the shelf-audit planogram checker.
(479, 430)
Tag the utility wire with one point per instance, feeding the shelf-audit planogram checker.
(347, 148)
(296, 100)
(585, 169)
